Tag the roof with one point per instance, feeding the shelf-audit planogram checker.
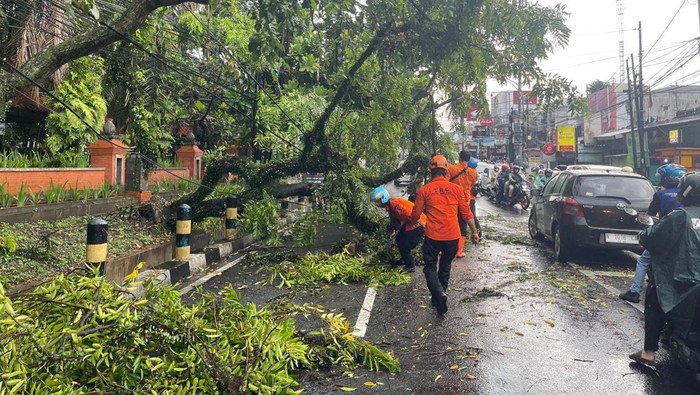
(614, 135)
(603, 173)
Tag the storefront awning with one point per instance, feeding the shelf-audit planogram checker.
(617, 134)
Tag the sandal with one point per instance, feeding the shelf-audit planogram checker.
(637, 357)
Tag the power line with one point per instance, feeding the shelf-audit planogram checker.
(240, 65)
(82, 120)
(665, 29)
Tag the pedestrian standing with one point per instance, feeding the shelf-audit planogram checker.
(406, 233)
(441, 201)
(464, 176)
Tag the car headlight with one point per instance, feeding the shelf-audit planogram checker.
(630, 211)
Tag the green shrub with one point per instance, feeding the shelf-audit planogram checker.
(5, 198)
(21, 197)
(55, 193)
(261, 219)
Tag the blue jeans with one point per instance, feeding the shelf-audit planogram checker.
(640, 271)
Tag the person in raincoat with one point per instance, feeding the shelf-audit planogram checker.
(674, 281)
(406, 233)
(441, 201)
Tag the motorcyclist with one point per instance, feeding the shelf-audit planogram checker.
(674, 282)
(406, 233)
(503, 176)
(514, 181)
(663, 202)
(543, 178)
(493, 180)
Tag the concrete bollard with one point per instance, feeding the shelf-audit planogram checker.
(183, 229)
(96, 254)
(231, 216)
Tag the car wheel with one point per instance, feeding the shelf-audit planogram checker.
(562, 247)
(525, 202)
(532, 227)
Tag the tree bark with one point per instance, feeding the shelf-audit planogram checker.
(52, 58)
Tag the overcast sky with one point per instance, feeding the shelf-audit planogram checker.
(593, 52)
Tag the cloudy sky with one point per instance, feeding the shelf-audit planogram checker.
(593, 47)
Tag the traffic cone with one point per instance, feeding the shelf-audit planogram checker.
(460, 247)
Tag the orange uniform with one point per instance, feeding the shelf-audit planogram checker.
(466, 179)
(400, 209)
(441, 200)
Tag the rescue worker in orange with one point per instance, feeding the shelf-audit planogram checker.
(464, 176)
(406, 233)
(441, 201)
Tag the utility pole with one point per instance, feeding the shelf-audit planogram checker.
(631, 113)
(638, 104)
(643, 144)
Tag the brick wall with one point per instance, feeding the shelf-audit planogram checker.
(39, 179)
(160, 175)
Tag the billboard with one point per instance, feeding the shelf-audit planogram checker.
(566, 138)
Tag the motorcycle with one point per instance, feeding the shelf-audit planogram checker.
(681, 339)
(521, 195)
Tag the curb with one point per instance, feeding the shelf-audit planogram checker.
(173, 272)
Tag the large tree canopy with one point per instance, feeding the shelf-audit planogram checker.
(309, 85)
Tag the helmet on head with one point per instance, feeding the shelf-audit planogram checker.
(627, 169)
(561, 167)
(689, 189)
(516, 168)
(548, 172)
(379, 193)
(670, 174)
(505, 167)
(472, 163)
(438, 162)
(540, 172)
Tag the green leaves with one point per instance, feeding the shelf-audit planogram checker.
(80, 335)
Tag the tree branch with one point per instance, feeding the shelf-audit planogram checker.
(52, 58)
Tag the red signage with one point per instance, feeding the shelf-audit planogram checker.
(528, 97)
(549, 149)
(486, 122)
(473, 112)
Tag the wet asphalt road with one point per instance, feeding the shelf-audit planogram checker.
(518, 322)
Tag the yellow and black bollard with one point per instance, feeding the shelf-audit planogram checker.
(183, 228)
(231, 216)
(96, 253)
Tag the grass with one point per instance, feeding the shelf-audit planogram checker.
(45, 249)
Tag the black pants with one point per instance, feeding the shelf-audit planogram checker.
(438, 277)
(407, 241)
(654, 318)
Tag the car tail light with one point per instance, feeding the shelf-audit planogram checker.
(572, 207)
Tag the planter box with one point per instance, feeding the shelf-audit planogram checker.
(56, 211)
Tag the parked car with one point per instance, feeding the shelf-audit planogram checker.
(403, 180)
(590, 208)
(593, 167)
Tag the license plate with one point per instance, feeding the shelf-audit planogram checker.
(621, 239)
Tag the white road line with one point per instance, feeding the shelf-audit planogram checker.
(209, 276)
(365, 312)
(592, 275)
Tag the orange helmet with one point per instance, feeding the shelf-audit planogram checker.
(438, 162)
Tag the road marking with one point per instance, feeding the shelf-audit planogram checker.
(592, 275)
(209, 276)
(365, 312)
